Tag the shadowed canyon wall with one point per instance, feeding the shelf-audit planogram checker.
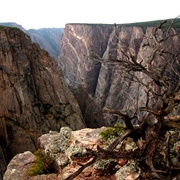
(106, 83)
(34, 97)
(80, 72)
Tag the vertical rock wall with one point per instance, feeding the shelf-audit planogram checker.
(108, 84)
(76, 45)
(34, 97)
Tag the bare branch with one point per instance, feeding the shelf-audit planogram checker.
(83, 166)
(172, 118)
(170, 106)
(160, 26)
(158, 73)
(118, 140)
(153, 111)
(125, 117)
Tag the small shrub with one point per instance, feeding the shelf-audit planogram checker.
(112, 131)
(44, 164)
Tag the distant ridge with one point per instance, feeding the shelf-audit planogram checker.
(47, 38)
(13, 24)
(155, 23)
(138, 24)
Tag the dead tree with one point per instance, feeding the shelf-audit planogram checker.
(162, 69)
(161, 81)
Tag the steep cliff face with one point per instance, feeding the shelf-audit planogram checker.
(80, 72)
(77, 43)
(34, 96)
(106, 83)
(114, 89)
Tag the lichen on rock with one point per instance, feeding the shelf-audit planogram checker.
(130, 171)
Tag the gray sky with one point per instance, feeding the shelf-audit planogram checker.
(56, 13)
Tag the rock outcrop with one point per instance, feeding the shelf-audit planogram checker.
(72, 150)
(107, 83)
(34, 95)
(47, 38)
(68, 148)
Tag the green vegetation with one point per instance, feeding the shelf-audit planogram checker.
(112, 131)
(140, 24)
(7, 27)
(44, 164)
(154, 23)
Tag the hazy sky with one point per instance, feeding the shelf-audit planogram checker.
(56, 13)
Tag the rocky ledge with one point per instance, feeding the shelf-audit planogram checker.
(74, 158)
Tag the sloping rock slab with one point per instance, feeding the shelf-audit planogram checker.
(19, 166)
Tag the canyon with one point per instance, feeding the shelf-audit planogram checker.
(106, 83)
(39, 95)
(34, 95)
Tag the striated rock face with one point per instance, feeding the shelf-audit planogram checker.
(76, 43)
(106, 83)
(34, 96)
(80, 72)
